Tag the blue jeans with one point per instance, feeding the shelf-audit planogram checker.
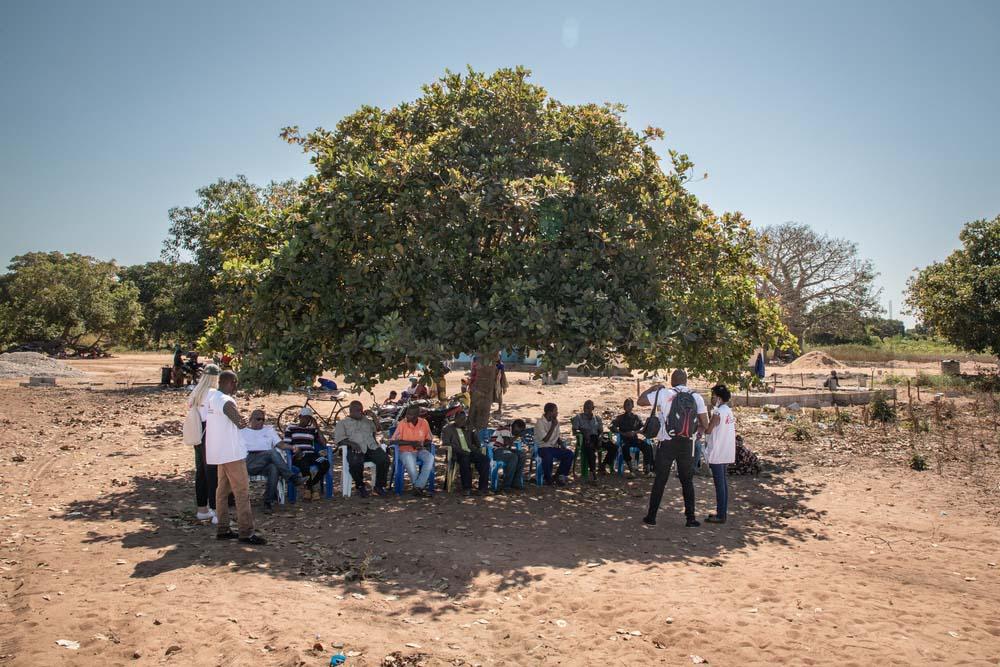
(565, 457)
(513, 474)
(721, 488)
(409, 460)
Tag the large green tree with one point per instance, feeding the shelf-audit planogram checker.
(67, 300)
(485, 216)
(959, 298)
(230, 236)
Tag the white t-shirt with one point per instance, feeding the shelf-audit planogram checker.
(662, 406)
(222, 438)
(259, 440)
(721, 442)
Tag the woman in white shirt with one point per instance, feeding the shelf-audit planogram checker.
(720, 449)
(205, 476)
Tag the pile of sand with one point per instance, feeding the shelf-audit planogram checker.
(34, 364)
(815, 359)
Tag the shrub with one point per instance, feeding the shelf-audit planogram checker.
(918, 462)
(882, 411)
(799, 432)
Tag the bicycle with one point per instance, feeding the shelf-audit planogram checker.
(290, 414)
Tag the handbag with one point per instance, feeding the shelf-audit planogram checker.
(191, 433)
(651, 428)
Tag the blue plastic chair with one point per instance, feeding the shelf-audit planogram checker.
(398, 470)
(634, 452)
(326, 484)
(527, 440)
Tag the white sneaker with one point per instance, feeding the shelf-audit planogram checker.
(201, 516)
(215, 517)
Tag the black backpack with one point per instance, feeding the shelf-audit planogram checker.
(682, 421)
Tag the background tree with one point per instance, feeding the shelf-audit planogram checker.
(836, 323)
(815, 277)
(67, 300)
(486, 216)
(174, 302)
(959, 298)
(230, 235)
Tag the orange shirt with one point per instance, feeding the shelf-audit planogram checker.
(419, 432)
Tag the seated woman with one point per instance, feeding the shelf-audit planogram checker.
(308, 450)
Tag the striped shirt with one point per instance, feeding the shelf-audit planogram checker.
(302, 436)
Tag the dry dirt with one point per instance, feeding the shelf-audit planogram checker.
(836, 555)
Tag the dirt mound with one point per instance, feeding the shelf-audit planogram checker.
(815, 359)
(33, 364)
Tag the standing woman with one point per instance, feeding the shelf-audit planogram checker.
(720, 449)
(205, 476)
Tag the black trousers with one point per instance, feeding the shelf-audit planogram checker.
(206, 477)
(610, 454)
(465, 461)
(356, 464)
(303, 460)
(591, 443)
(680, 450)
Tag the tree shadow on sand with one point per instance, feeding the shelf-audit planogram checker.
(437, 547)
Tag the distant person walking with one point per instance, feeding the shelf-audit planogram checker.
(205, 475)
(721, 449)
(224, 449)
(679, 411)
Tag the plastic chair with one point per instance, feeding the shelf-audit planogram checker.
(326, 484)
(578, 456)
(281, 486)
(346, 480)
(397, 472)
(634, 453)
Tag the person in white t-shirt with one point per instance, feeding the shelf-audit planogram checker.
(685, 414)
(721, 449)
(264, 457)
(225, 450)
(205, 476)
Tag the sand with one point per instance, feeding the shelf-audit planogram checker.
(827, 559)
(814, 359)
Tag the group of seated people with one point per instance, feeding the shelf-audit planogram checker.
(310, 462)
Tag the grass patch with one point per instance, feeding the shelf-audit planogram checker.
(901, 349)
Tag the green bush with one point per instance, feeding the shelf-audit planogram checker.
(882, 411)
(900, 349)
(940, 381)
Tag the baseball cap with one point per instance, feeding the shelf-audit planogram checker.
(306, 412)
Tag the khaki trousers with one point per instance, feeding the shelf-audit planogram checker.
(233, 479)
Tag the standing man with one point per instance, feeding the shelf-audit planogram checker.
(264, 445)
(357, 433)
(680, 411)
(413, 435)
(224, 450)
(551, 446)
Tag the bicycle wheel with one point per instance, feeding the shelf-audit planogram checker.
(288, 416)
(337, 415)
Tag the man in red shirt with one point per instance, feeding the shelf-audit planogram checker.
(413, 435)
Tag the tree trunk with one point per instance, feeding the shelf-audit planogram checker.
(482, 391)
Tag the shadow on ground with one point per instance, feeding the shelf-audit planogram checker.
(403, 545)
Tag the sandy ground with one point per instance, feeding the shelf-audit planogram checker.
(828, 558)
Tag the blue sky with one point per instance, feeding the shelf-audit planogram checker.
(876, 121)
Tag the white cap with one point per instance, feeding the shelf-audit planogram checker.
(306, 412)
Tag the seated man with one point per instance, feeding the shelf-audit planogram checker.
(308, 449)
(393, 397)
(551, 446)
(629, 426)
(413, 435)
(467, 452)
(410, 391)
(357, 432)
(589, 427)
(264, 445)
(833, 382)
(513, 459)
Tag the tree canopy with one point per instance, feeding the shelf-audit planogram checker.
(230, 236)
(484, 216)
(959, 298)
(815, 278)
(65, 299)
